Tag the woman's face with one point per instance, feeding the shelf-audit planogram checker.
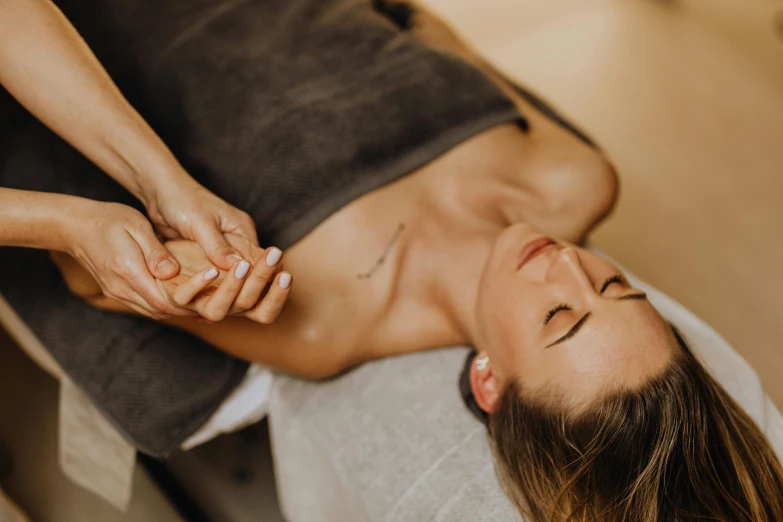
(559, 318)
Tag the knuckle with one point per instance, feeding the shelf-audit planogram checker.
(161, 307)
(180, 298)
(160, 304)
(243, 304)
(123, 270)
(114, 291)
(213, 315)
(266, 316)
(263, 272)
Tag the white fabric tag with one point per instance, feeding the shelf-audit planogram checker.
(93, 454)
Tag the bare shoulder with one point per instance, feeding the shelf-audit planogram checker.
(576, 183)
(578, 186)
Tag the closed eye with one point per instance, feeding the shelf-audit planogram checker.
(553, 312)
(614, 279)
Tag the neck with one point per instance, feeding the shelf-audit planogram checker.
(448, 246)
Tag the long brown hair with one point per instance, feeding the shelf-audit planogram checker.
(677, 449)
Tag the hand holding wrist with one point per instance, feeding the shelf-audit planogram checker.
(118, 247)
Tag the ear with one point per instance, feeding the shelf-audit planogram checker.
(484, 384)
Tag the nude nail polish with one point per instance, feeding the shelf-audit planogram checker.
(273, 257)
(285, 280)
(210, 274)
(242, 269)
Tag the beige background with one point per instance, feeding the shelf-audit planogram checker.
(686, 97)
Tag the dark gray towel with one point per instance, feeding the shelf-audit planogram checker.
(289, 109)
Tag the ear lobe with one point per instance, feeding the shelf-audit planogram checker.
(484, 384)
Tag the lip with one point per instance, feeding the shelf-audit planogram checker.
(532, 249)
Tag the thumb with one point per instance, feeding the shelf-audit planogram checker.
(216, 246)
(160, 262)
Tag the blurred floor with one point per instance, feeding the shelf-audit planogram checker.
(686, 96)
(28, 431)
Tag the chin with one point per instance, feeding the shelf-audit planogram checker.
(507, 246)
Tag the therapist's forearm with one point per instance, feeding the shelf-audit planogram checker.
(49, 69)
(37, 219)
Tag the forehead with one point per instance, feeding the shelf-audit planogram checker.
(625, 342)
(621, 345)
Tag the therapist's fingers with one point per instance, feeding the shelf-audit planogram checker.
(216, 246)
(144, 291)
(241, 224)
(185, 292)
(160, 262)
(264, 271)
(221, 301)
(267, 311)
(145, 311)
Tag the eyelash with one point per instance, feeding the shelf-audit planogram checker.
(615, 279)
(559, 308)
(553, 311)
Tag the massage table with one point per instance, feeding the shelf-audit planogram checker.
(389, 441)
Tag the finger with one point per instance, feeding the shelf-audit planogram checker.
(220, 303)
(218, 249)
(144, 311)
(133, 301)
(159, 261)
(273, 302)
(143, 289)
(168, 232)
(148, 295)
(247, 229)
(262, 273)
(185, 292)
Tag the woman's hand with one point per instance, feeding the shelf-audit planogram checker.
(258, 294)
(118, 247)
(182, 208)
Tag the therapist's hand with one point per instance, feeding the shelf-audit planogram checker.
(182, 208)
(118, 247)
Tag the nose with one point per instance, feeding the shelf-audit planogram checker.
(568, 266)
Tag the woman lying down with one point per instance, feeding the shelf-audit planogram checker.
(597, 410)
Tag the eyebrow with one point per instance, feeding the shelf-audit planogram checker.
(638, 295)
(573, 331)
(581, 322)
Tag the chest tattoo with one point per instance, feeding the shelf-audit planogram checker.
(382, 259)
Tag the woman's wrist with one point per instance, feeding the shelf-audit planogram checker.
(40, 220)
(143, 164)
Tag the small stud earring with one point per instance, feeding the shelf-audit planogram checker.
(481, 363)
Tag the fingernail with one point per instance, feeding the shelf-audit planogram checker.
(233, 258)
(285, 280)
(273, 256)
(210, 274)
(242, 269)
(166, 267)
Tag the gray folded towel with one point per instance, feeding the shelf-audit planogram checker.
(288, 109)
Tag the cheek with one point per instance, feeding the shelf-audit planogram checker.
(508, 327)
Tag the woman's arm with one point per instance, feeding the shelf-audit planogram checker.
(35, 219)
(114, 242)
(281, 345)
(49, 69)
